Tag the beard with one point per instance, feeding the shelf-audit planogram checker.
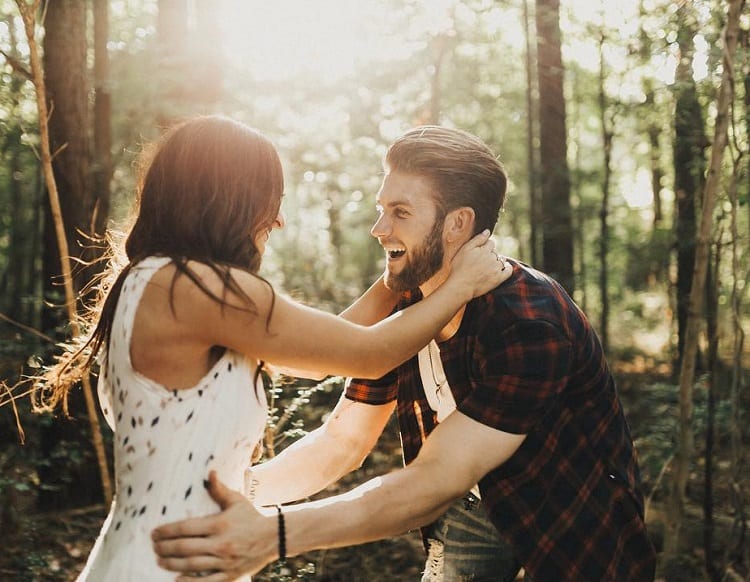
(421, 263)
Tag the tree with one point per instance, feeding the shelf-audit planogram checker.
(102, 157)
(606, 120)
(695, 313)
(555, 184)
(532, 132)
(65, 158)
(66, 80)
(689, 163)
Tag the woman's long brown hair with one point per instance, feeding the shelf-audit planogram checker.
(209, 187)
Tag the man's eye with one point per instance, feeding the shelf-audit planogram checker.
(401, 213)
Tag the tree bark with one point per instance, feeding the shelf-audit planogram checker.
(557, 246)
(689, 164)
(102, 156)
(607, 135)
(531, 136)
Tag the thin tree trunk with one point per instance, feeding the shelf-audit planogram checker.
(28, 14)
(687, 369)
(102, 158)
(737, 548)
(712, 360)
(441, 47)
(604, 209)
(531, 135)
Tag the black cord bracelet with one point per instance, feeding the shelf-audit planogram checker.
(282, 534)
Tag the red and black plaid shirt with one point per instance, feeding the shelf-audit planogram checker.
(525, 360)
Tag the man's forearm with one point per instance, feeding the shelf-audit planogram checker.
(383, 507)
(304, 468)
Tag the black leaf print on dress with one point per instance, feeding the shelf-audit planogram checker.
(189, 416)
(155, 421)
(163, 509)
(188, 492)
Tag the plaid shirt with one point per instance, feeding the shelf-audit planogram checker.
(526, 361)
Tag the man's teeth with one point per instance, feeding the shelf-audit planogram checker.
(395, 253)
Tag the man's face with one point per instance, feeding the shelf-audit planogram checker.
(410, 230)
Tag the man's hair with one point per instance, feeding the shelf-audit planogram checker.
(462, 168)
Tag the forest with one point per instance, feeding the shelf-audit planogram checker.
(625, 131)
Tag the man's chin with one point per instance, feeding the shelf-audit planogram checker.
(395, 283)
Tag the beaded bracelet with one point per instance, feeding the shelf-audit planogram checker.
(282, 534)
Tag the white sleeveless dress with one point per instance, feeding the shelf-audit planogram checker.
(165, 443)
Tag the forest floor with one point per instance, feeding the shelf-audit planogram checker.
(54, 546)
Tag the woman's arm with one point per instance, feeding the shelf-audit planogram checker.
(374, 305)
(300, 337)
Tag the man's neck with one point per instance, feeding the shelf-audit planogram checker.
(427, 288)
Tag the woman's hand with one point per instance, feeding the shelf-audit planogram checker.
(477, 268)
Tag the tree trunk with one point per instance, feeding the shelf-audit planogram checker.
(687, 369)
(738, 553)
(689, 166)
(531, 136)
(15, 280)
(440, 45)
(60, 21)
(557, 244)
(712, 317)
(66, 83)
(102, 157)
(206, 59)
(606, 128)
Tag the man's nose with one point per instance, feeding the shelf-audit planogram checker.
(381, 227)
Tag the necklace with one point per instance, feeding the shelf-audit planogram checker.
(438, 383)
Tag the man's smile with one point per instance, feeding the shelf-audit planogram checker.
(394, 252)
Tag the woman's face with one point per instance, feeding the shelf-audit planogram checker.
(262, 238)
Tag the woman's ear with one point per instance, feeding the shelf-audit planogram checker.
(459, 224)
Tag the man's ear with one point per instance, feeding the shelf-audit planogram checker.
(459, 224)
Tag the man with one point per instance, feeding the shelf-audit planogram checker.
(514, 395)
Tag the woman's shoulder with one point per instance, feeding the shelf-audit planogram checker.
(198, 282)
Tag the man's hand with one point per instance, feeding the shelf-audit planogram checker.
(237, 541)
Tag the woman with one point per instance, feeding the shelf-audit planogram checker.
(187, 324)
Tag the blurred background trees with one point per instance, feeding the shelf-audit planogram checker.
(602, 112)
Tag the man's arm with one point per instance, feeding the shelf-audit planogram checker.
(457, 454)
(324, 455)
